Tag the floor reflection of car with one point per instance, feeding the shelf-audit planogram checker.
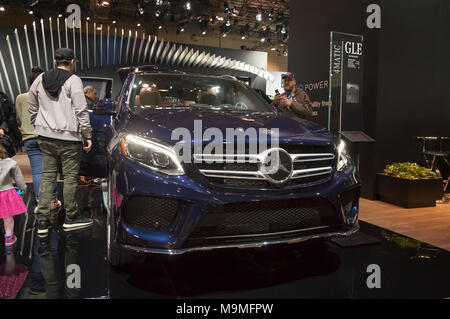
(158, 203)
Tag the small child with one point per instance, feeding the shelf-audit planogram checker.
(11, 203)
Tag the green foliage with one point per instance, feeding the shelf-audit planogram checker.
(409, 171)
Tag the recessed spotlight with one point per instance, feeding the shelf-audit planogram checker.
(188, 5)
(30, 12)
(2, 8)
(182, 30)
(88, 18)
(259, 16)
(114, 21)
(160, 27)
(138, 24)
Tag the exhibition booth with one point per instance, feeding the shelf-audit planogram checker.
(236, 149)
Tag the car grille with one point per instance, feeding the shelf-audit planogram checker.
(255, 219)
(153, 213)
(311, 164)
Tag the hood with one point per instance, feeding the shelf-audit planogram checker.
(53, 80)
(160, 123)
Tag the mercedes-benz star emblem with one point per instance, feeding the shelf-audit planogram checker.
(276, 166)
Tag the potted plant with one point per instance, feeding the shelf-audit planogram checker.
(409, 185)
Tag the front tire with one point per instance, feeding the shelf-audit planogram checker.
(116, 255)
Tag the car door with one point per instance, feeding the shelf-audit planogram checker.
(94, 163)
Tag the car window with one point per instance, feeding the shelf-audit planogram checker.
(193, 91)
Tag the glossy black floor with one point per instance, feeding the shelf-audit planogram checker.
(317, 269)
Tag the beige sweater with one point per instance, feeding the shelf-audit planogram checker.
(24, 117)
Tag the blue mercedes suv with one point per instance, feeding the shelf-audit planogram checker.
(199, 162)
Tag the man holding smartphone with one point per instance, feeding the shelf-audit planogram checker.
(59, 114)
(294, 101)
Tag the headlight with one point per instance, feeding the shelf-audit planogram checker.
(150, 154)
(343, 156)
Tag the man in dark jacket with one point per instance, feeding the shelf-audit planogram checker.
(91, 96)
(294, 101)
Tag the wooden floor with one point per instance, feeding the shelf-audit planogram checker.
(430, 224)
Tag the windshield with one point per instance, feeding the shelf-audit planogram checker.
(193, 92)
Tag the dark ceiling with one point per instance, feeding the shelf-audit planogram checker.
(204, 17)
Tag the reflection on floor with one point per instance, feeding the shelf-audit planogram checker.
(315, 269)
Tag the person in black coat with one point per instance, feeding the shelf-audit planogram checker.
(9, 129)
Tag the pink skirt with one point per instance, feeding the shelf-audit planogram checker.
(11, 204)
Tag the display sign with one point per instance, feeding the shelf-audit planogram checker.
(345, 95)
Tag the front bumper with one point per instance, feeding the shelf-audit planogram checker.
(242, 245)
(130, 180)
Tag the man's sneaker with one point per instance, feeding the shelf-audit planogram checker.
(10, 240)
(43, 226)
(77, 223)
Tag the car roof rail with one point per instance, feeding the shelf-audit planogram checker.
(123, 72)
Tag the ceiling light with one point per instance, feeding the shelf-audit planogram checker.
(273, 49)
(259, 16)
(283, 30)
(158, 2)
(285, 53)
(182, 30)
(228, 23)
(30, 12)
(203, 32)
(188, 5)
(141, 11)
(138, 24)
(157, 13)
(88, 18)
(2, 8)
(114, 21)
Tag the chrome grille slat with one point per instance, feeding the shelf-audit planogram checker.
(232, 174)
(296, 175)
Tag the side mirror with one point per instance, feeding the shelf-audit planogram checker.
(104, 107)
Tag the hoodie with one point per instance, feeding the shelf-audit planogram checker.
(54, 79)
(58, 107)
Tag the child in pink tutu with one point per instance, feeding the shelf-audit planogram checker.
(11, 203)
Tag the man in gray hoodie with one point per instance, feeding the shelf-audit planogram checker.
(59, 114)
